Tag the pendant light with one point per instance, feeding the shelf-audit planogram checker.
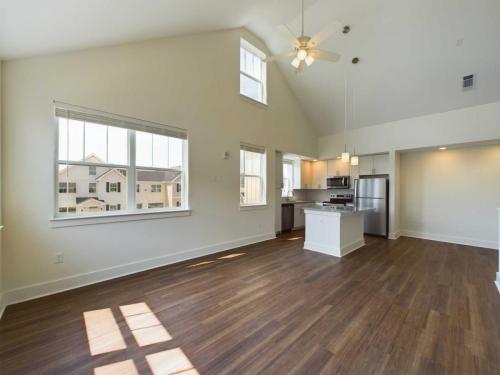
(345, 155)
(354, 157)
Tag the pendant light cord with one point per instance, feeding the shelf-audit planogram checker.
(302, 18)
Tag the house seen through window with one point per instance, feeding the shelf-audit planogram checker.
(96, 168)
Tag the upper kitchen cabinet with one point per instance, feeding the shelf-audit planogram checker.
(337, 167)
(374, 164)
(319, 172)
(305, 175)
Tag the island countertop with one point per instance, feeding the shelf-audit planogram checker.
(337, 211)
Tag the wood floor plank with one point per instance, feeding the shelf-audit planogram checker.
(408, 306)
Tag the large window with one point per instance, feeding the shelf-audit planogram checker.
(252, 175)
(252, 72)
(287, 190)
(101, 155)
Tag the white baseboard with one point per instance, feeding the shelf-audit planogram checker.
(498, 281)
(394, 235)
(451, 239)
(60, 285)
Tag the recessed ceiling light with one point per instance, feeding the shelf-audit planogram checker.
(442, 148)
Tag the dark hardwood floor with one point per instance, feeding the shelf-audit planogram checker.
(393, 307)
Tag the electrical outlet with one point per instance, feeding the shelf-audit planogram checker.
(58, 258)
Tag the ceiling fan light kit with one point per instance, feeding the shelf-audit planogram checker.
(305, 52)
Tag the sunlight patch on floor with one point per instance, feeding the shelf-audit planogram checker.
(231, 256)
(144, 324)
(103, 333)
(201, 263)
(294, 238)
(119, 368)
(171, 362)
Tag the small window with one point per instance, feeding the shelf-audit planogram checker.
(71, 209)
(156, 188)
(114, 187)
(178, 204)
(71, 187)
(63, 209)
(137, 188)
(63, 188)
(287, 190)
(92, 170)
(92, 187)
(253, 72)
(178, 188)
(252, 175)
(139, 206)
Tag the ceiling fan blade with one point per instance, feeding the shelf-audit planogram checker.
(285, 31)
(283, 55)
(325, 34)
(325, 55)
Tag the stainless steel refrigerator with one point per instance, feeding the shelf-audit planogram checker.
(373, 192)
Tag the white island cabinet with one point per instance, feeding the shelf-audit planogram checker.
(334, 231)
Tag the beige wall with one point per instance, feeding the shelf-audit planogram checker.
(1, 182)
(190, 82)
(452, 195)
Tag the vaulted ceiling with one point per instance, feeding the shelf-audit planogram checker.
(413, 54)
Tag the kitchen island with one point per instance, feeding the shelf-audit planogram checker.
(334, 231)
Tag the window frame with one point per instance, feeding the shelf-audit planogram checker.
(248, 47)
(262, 176)
(131, 213)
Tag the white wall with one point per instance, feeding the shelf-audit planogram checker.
(452, 195)
(190, 82)
(472, 124)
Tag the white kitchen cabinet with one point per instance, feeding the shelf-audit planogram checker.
(319, 171)
(305, 175)
(337, 167)
(374, 164)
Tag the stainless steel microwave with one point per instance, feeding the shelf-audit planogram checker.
(339, 182)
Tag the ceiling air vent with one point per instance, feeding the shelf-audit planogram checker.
(468, 82)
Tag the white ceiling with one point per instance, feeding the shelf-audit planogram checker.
(410, 64)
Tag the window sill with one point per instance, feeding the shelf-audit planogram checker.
(253, 101)
(74, 221)
(252, 207)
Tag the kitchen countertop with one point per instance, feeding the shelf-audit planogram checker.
(338, 211)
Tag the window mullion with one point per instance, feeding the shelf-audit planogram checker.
(131, 179)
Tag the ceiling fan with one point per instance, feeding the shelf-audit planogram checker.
(304, 47)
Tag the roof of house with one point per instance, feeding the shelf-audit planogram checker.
(166, 176)
(84, 199)
(121, 172)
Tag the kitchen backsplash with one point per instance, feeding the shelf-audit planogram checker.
(318, 195)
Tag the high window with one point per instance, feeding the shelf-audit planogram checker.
(252, 175)
(105, 154)
(253, 72)
(287, 190)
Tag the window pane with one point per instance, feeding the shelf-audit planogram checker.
(75, 140)
(160, 151)
(144, 149)
(95, 143)
(250, 190)
(117, 146)
(250, 88)
(158, 189)
(248, 63)
(83, 193)
(63, 139)
(257, 64)
(175, 153)
(242, 59)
